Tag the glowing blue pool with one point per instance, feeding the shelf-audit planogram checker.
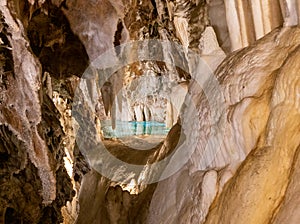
(131, 128)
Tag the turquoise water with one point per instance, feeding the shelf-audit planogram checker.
(125, 128)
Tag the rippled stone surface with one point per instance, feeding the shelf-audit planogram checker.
(250, 176)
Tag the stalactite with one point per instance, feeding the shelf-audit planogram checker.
(258, 18)
(244, 18)
(233, 25)
(107, 96)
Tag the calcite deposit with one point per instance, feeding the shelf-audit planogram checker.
(223, 75)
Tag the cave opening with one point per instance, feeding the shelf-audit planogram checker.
(141, 100)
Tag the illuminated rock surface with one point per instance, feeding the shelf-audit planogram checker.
(249, 171)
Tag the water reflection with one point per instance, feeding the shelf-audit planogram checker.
(125, 128)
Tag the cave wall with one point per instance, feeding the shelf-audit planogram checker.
(35, 184)
(248, 147)
(47, 45)
(270, 163)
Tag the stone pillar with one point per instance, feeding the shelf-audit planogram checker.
(233, 22)
(257, 18)
(147, 113)
(244, 18)
(266, 15)
(249, 20)
(138, 113)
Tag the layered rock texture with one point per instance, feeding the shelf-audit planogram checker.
(230, 94)
(254, 148)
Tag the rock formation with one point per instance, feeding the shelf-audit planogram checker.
(252, 114)
(223, 76)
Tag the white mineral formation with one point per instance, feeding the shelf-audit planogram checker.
(260, 136)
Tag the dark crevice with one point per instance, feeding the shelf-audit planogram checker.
(60, 51)
(64, 5)
(6, 58)
(144, 117)
(155, 13)
(11, 216)
(118, 36)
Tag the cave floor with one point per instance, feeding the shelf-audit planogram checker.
(134, 149)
